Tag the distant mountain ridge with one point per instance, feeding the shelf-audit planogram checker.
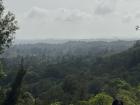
(60, 41)
(76, 48)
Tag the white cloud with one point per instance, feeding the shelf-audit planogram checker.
(137, 15)
(106, 7)
(76, 18)
(72, 15)
(52, 22)
(36, 12)
(127, 19)
(61, 14)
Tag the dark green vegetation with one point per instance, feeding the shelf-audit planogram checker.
(79, 73)
(8, 27)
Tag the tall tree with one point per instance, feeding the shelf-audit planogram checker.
(8, 27)
(13, 95)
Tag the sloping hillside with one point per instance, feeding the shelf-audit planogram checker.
(76, 78)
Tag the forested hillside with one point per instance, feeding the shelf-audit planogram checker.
(78, 73)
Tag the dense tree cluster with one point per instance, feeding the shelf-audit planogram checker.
(79, 80)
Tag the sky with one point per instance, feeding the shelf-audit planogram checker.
(76, 19)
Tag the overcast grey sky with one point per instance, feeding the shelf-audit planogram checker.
(76, 18)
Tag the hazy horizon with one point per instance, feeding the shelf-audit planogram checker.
(62, 40)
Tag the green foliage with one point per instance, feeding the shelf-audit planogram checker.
(8, 27)
(116, 85)
(120, 84)
(26, 99)
(75, 79)
(2, 95)
(138, 91)
(13, 95)
(83, 103)
(127, 97)
(56, 103)
(101, 99)
(2, 74)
